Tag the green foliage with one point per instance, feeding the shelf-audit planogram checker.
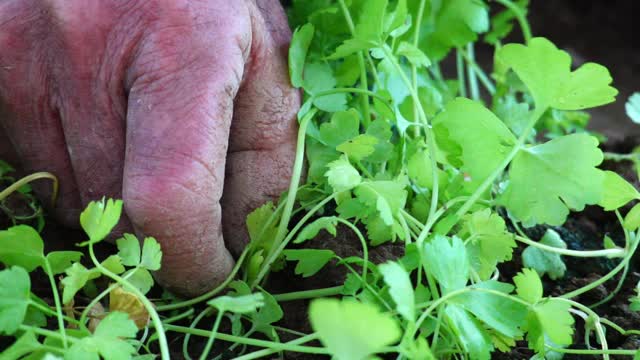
(402, 160)
(352, 330)
(545, 262)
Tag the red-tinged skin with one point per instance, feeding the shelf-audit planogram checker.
(150, 101)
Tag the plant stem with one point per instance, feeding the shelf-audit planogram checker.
(29, 178)
(211, 339)
(46, 333)
(265, 352)
(248, 341)
(155, 318)
(621, 157)
(363, 69)
(308, 294)
(56, 297)
(520, 16)
(610, 253)
(462, 85)
(296, 175)
(212, 293)
(473, 80)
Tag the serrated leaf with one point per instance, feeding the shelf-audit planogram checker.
(343, 126)
(298, 49)
(352, 330)
(386, 196)
(114, 264)
(311, 231)
(318, 78)
(99, 218)
(550, 318)
(77, 277)
(528, 285)
(141, 279)
(400, 288)
(484, 139)
(239, 304)
(129, 250)
(632, 219)
(446, 259)
(358, 147)
(413, 54)
(342, 176)
(633, 107)
(21, 246)
(15, 288)
(502, 314)
(151, 257)
(546, 71)
(61, 260)
(617, 191)
(310, 261)
(472, 336)
(491, 242)
(547, 180)
(455, 23)
(546, 262)
(108, 340)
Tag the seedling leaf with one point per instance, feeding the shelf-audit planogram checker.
(310, 261)
(546, 262)
(352, 330)
(15, 288)
(400, 288)
(99, 218)
(446, 259)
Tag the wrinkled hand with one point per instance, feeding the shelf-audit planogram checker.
(149, 101)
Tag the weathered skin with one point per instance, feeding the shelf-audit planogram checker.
(149, 101)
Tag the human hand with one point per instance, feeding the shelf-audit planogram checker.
(149, 102)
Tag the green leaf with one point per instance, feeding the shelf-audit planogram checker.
(371, 21)
(240, 304)
(420, 170)
(550, 319)
(343, 126)
(61, 260)
(359, 147)
(484, 139)
(261, 232)
(114, 264)
(108, 340)
(473, 337)
(456, 23)
(77, 277)
(528, 285)
(300, 42)
(546, 262)
(352, 330)
(21, 246)
(141, 279)
(386, 196)
(129, 250)
(491, 242)
(633, 107)
(617, 191)
(502, 23)
(413, 54)
(311, 231)
(26, 343)
(15, 288)
(447, 261)
(151, 254)
(99, 218)
(546, 71)
(400, 288)
(632, 219)
(318, 77)
(547, 180)
(342, 175)
(310, 261)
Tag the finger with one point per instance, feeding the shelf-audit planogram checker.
(29, 117)
(92, 99)
(263, 131)
(181, 88)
